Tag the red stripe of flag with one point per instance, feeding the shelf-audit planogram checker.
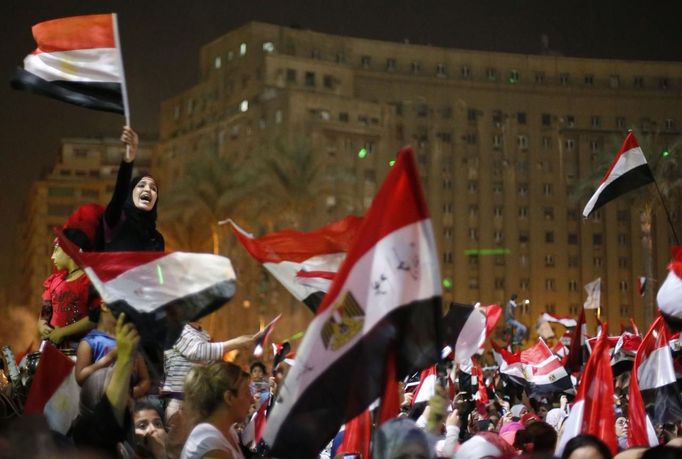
(53, 369)
(78, 32)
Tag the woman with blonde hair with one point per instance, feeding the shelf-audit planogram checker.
(217, 397)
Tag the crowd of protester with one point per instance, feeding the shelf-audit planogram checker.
(205, 404)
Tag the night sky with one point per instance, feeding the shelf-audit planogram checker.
(161, 39)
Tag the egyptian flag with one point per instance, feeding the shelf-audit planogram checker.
(305, 263)
(593, 411)
(537, 369)
(575, 350)
(385, 298)
(428, 379)
(54, 392)
(480, 395)
(357, 435)
(561, 351)
(623, 353)
(466, 327)
(78, 60)
(669, 297)
(556, 319)
(642, 285)
(654, 389)
(158, 291)
(628, 171)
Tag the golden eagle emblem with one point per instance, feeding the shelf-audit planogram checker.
(345, 322)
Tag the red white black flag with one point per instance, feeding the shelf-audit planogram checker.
(593, 411)
(669, 297)
(654, 394)
(78, 61)
(305, 263)
(628, 171)
(385, 298)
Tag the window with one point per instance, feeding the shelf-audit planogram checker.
(524, 284)
(570, 120)
(343, 117)
(597, 262)
(60, 191)
(623, 286)
(447, 257)
(548, 213)
(316, 54)
(497, 141)
(465, 72)
(513, 76)
(638, 82)
(473, 234)
(279, 117)
(597, 239)
(572, 286)
(498, 236)
(291, 75)
(546, 142)
(447, 184)
(472, 186)
(328, 81)
(499, 283)
(622, 239)
(521, 117)
(268, 47)
(539, 77)
(340, 58)
(564, 79)
(663, 83)
(473, 283)
(669, 124)
(491, 74)
(549, 237)
(623, 262)
(550, 284)
(620, 122)
(473, 211)
(472, 114)
(572, 238)
(523, 237)
(572, 262)
(570, 144)
(217, 62)
(447, 208)
(614, 81)
(415, 67)
(498, 211)
(497, 187)
(473, 260)
(550, 307)
(523, 212)
(625, 310)
(549, 261)
(547, 189)
(242, 49)
(310, 79)
(500, 260)
(596, 122)
(523, 189)
(572, 215)
(390, 64)
(574, 309)
(546, 119)
(522, 142)
(176, 112)
(594, 146)
(441, 71)
(589, 80)
(447, 232)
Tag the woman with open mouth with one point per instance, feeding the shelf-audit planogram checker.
(130, 218)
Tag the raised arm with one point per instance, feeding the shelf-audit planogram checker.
(116, 392)
(125, 174)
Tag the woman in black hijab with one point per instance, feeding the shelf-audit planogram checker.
(130, 218)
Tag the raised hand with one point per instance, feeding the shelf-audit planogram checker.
(130, 139)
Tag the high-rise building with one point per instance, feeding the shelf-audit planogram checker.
(84, 172)
(502, 141)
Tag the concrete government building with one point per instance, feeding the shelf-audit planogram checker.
(502, 140)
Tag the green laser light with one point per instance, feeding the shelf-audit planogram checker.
(362, 153)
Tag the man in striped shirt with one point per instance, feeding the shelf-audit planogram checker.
(192, 347)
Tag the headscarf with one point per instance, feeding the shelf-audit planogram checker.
(393, 435)
(484, 444)
(554, 418)
(143, 220)
(516, 410)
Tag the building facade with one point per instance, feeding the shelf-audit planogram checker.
(84, 172)
(502, 142)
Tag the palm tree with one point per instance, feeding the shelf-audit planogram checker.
(294, 178)
(665, 162)
(212, 186)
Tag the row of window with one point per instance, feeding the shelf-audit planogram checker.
(550, 285)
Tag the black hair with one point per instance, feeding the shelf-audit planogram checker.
(662, 452)
(78, 237)
(258, 364)
(149, 403)
(586, 440)
(543, 436)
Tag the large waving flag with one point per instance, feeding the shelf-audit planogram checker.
(628, 171)
(669, 297)
(557, 319)
(535, 368)
(158, 291)
(78, 60)
(466, 327)
(654, 388)
(54, 391)
(575, 350)
(305, 263)
(593, 290)
(385, 298)
(593, 411)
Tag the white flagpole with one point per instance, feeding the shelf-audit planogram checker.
(124, 88)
